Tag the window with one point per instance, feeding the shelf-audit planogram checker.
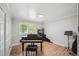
(31, 28)
(23, 29)
(27, 28)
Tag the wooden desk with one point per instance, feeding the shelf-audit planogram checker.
(31, 41)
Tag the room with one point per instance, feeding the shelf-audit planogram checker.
(52, 26)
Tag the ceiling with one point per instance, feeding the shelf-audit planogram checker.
(50, 11)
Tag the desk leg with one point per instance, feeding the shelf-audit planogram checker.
(23, 48)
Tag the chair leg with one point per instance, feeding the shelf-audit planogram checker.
(26, 52)
(36, 52)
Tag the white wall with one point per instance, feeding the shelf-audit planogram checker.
(55, 29)
(15, 29)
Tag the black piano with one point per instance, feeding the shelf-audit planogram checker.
(31, 38)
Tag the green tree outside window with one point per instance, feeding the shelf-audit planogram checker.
(27, 28)
(23, 28)
(31, 28)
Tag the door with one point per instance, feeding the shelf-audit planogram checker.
(1, 33)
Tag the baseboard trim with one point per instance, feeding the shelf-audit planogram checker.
(15, 44)
(59, 44)
(9, 51)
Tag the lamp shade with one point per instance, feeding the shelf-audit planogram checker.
(69, 33)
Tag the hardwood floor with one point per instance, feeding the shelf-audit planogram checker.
(49, 49)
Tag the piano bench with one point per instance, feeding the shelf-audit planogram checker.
(31, 48)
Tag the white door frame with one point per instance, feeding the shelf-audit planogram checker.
(4, 30)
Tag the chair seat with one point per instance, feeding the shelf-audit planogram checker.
(31, 47)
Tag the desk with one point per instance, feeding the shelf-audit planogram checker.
(31, 41)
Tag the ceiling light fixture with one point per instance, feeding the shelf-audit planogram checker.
(40, 16)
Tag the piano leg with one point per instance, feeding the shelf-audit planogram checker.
(41, 47)
(23, 48)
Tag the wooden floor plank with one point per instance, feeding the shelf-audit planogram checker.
(49, 49)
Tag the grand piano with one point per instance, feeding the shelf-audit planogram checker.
(33, 38)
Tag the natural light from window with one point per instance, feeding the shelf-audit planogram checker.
(27, 28)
